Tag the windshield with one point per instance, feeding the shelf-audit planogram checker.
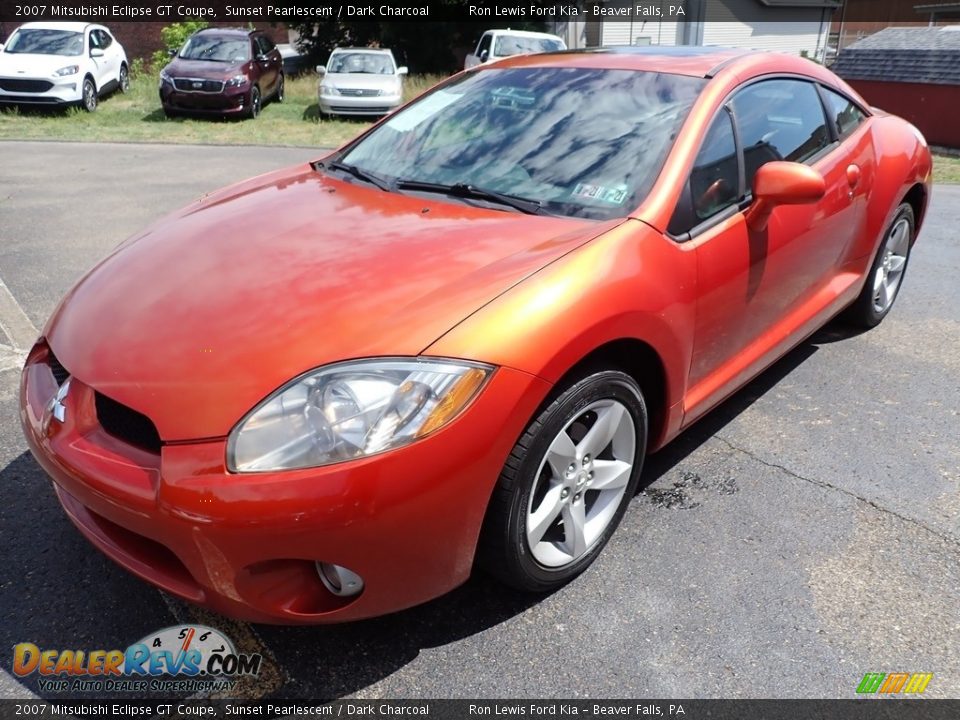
(46, 42)
(360, 62)
(582, 142)
(508, 45)
(216, 48)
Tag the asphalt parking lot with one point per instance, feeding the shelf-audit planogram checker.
(803, 534)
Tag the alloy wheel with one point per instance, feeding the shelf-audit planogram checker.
(580, 483)
(889, 274)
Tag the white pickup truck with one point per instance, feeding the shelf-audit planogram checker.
(498, 44)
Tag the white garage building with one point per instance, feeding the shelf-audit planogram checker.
(797, 27)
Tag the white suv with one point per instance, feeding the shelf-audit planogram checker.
(498, 44)
(61, 64)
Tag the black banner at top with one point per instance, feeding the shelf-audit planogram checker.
(495, 13)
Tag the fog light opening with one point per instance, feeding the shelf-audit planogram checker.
(338, 580)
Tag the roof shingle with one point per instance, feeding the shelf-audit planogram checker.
(910, 55)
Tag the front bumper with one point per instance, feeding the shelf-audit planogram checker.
(229, 101)
(406, 521)
(358, 106)
(41, 91)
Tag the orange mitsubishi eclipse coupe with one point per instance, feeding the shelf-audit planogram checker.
(328, 392)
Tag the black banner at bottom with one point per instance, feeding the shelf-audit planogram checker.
(859, 709)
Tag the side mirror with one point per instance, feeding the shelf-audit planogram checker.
(96, 52)
(403, 70)
(321, 70)
(782, 183)
(172, 53)
(484, 54)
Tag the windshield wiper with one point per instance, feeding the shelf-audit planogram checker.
(466, 190)
(358, 173)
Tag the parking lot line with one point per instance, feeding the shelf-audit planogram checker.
(14, 323)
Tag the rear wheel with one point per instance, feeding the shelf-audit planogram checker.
(886, 274)
(566, 484)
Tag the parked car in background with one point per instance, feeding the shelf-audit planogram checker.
(62, 63)
(294, 62)
(498, 44)
(223, 71)
(360, 81)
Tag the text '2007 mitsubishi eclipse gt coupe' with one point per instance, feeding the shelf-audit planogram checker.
(328, 392)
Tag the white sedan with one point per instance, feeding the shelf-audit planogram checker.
(360, 81)
(66, 63)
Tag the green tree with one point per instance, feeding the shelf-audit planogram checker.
(173, 37)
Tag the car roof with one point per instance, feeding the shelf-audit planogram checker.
(70, 26)
(362, 49)
(237, 31)
(695, 61)
(522, 33)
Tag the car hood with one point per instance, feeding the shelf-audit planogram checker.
(204, 69)
(361, 81)
(200, 317)
(30, 65)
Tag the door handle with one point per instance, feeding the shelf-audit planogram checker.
(853, 175)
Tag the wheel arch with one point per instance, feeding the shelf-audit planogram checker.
(639, 360)
(917, 197)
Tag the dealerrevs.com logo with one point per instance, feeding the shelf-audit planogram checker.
(183, 658)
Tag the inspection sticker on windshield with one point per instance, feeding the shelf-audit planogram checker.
(613, 195)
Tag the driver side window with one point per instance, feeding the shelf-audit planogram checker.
(484, 45)
(714, 183)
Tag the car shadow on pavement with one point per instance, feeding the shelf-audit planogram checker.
(60, 592)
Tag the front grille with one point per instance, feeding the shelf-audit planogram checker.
(352, 109)
(198, 85)
(19, 85)
(127, 424)
(60, 373)
(360, 92)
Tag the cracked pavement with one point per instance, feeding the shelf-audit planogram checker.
(804, 533)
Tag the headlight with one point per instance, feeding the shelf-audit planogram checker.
(352, 410)
(68, 70)
(328, 90)
(165, 78)
(237, 81)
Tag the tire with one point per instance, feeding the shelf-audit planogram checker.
(123, 82)
(278, 96)
(171, 114)
(594, 432)
(886, 273)
(88, 96)
(256, 102)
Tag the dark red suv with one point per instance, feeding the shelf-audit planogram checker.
(222, 71)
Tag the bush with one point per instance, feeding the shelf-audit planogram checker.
(173, 37)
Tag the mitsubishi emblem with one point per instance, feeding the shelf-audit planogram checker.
(57, 409)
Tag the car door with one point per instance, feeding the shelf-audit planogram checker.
(268, 62)
(478, 57)
(755, 289)
(98, 59)
(113, 53)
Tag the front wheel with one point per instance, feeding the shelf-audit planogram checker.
(255, 102)
(279, 95)
(566, 484)
(123, 82)
(88, 98)
(886, 274)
